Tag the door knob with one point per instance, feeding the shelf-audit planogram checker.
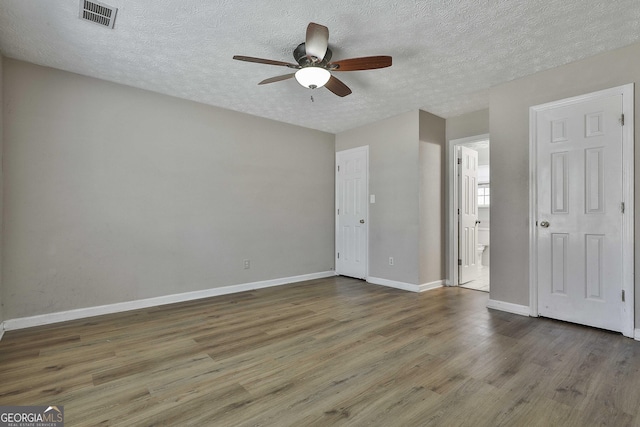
(362, 221)
(544, 224)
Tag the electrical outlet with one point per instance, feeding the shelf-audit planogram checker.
(247, 264)
(390, 260)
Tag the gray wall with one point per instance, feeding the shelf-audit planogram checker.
(115, 194)
(1, 192)
(394, 179)
(470, 124)
(509, 123)
(405, 174)
(432, 200)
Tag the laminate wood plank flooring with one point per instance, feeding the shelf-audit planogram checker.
(334, 351)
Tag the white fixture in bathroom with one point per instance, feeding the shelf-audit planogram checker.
(483, 242)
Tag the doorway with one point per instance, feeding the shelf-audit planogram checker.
(469, 195)
(581, 198)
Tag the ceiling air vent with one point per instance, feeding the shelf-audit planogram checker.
(99, 13)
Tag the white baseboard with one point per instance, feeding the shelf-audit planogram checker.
(393, 284)
(81, 313)
(405, 286)
(522, 310)
(431, 285)
(1, 330)
(636, 334)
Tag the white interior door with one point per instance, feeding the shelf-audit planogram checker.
(352, 212)
(468, 218)
(580, 211)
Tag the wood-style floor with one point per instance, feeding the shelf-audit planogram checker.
(327, 352)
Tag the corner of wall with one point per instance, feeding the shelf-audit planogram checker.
(394, 180)
(432, 224)
(1, 194)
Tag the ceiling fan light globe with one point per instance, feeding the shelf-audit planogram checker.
(313, 77)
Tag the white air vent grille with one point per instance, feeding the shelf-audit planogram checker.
(99, 13)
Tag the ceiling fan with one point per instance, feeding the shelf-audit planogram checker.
(314, 68)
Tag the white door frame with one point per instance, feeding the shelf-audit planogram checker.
(452, 205)
(364, 148)
(628, 318)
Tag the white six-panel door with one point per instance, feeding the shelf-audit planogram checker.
(352, 212)
(579, 212)
(468, 218)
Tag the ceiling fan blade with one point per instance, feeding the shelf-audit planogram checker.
(265, 61)
(337, 87)
(358, 64)
(317, 40)
(277, 79)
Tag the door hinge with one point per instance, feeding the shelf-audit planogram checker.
(623, 295)
(622, 119)
(458, 211)
(459, 161)
(338, 211)
(622, 207)
(338, 168)
(459, 262)
(338, 255)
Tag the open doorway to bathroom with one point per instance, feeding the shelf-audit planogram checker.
(469, 213)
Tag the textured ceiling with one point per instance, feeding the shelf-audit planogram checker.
(446, 53)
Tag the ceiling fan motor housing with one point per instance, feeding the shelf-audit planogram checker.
(300, 55)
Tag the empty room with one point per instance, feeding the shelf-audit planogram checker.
(277, 213)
